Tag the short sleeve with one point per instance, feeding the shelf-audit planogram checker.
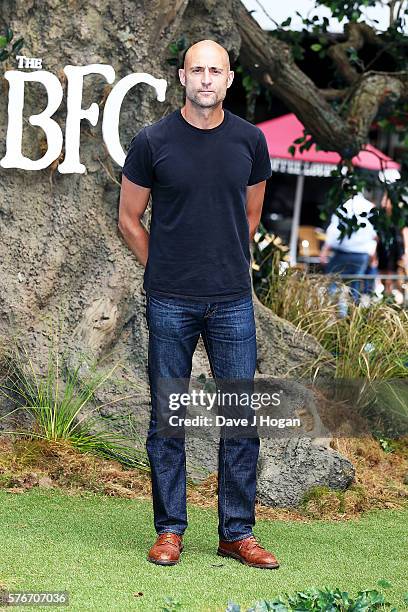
(261, 167)
(138, 166)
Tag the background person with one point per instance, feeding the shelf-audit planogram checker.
(351, 255)
(392, 254)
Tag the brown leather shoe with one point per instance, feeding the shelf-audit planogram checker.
(249, 552)
(166, 550)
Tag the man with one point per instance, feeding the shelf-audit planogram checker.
(351, 255)
(206, 170)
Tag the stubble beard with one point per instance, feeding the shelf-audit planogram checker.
(202, 101)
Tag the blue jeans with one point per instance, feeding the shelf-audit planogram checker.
(369, 285)
(229, 335)
(347, 263)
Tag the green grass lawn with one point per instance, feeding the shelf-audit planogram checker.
(95, 547)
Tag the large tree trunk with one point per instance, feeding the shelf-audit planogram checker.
(62, 256)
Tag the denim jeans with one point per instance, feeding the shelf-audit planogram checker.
(347, 263)
(229, 335)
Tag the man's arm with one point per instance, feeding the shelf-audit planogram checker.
(254, 203)
(133, 203)
(332, 233)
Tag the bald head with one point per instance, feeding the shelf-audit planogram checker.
(209, 51)
(206, 74)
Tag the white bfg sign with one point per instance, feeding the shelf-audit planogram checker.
(14, 157)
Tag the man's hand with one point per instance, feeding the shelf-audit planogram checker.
(255, 198)
(324, 254)
(373, 261)
(133, 203)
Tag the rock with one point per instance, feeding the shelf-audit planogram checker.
(291, 461)
(45, 482)
(287, 469)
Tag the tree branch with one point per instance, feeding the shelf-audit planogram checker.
(357, 35)
(270, 61)
(334, 94)
(373, 90)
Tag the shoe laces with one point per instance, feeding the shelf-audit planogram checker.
(168, 540)
(251, 543)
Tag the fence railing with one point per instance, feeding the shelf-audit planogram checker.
(373, 278)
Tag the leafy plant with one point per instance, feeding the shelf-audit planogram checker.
(6, 48)
(370, 343)
(61, 402)
(176, 49)
(252, 90)
(386, 444)
(270, 258)
(171, 605)
(323, 600)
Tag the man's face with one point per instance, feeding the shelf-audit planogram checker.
(206, 76)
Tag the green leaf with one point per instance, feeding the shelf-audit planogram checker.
(383, 583)
(181, 43)
(316, 47)
(4, 55)
(291, 150)
(17, 45)
(286, 22)
(3, 42)
(9, 34)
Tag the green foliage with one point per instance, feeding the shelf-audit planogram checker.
(304, 143)
(269, 257)
(392, 113)
(6, 48)
(252, 90)
(61, 403)
(171, 605)
(176, 49)
(303, 299)
(323, 600)
(346, 9)
(387, 445)
(249, 83)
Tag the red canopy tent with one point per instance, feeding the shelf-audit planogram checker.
(280, 133)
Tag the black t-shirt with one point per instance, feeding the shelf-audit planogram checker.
(199, 233)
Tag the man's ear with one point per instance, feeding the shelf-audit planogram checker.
(182, 76)
(230, 78)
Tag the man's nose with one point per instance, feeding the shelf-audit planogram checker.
(206, 78)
